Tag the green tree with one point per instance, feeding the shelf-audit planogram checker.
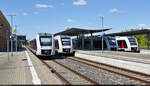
(141, 40)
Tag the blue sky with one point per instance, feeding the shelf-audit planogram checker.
(34, 16)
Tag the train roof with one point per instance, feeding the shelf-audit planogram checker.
(124, 37)
(44, 34)
(63, 35)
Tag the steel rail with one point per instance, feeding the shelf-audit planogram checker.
(126, 70)
(58, 75)
(54, 71)
(84, 77)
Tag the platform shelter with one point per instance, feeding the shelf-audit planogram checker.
(82, 42)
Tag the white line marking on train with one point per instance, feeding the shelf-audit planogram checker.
(35, 78)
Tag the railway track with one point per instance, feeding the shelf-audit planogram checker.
(68, 75)
(62, 72)
(74, 70)
(143, 78)
(66, 82)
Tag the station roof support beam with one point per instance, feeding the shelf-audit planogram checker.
(130, 33)
(79, 31)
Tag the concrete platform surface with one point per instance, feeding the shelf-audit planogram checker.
(24, 69)
(129, 56)
(133, 61)
(15, 69)
(145, 51)
(45, 75)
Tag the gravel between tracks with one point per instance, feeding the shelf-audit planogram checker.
(71, 77)
(100, 76)
(116, 70)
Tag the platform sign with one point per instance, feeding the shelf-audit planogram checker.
(15, 31)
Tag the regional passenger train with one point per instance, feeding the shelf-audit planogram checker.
(127, 44)
(43, 44)
(64, 45)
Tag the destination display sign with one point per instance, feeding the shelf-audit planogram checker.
(65, 39)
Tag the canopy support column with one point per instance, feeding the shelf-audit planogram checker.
(83, 41)
(148, 39)
(91, 41)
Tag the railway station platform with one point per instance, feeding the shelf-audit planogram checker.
(145, 51)
(139, 62)
(23, 68)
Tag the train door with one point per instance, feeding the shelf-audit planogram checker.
(57, 44)
(122, 44)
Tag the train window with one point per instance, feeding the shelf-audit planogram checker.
(65, 41)
(46, 41)
(112, 41)
(98, 44)
(132, 41)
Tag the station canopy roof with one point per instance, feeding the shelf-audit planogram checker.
(78, 31)
(130, 33)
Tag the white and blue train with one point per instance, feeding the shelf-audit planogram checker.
(43, 44)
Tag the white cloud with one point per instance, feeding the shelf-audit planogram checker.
(142, 25)
(79, 2)
(36, 13)
(43, 6)
(146, 26)
(114, 10)
(69, 20)
(25, 14)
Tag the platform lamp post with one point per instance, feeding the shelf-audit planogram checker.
(102, 33)
(11, 15)
(15, 31)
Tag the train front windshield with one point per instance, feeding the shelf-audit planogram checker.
(46, 41)
(132, 41)
(65, 41)
(112, 41)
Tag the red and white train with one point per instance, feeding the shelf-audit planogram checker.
(127, 44)
(64, 45)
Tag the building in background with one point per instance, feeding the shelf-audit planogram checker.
(20, 39)
(4, 32)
